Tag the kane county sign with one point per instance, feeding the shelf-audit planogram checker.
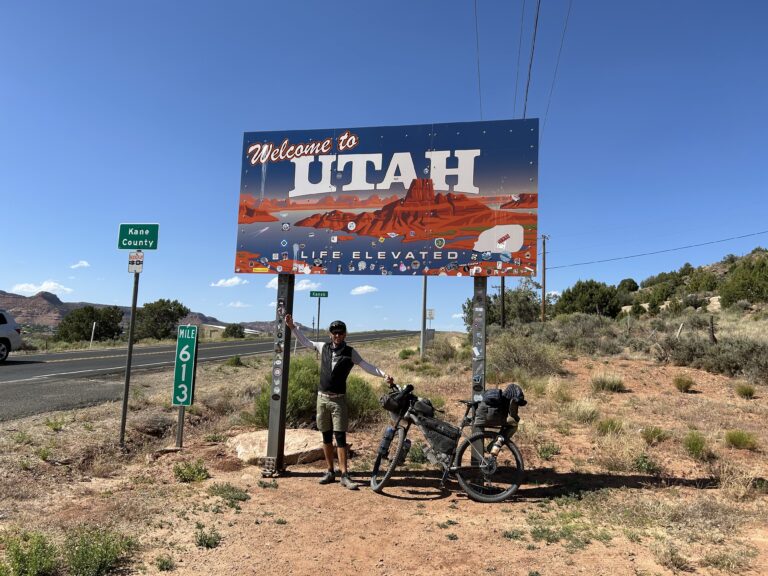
(138, 236)
(457, 199)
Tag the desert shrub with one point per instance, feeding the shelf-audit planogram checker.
(416, 454)
(303, 378)
(301, 403)
(230, 494)
(94, 550)
(669, 556)
(610, 426)
(547, 450)
(608, 383)
(165, 563)
(558, 391)
(441, 351)
(584, 411)
(747, 280)
(590, 297)
(234, 362)
(511, 358)
(653, 435)
(362, 401)
(207, 539)
(702, 280)
(696, 446)
(234, 331)
(741, 440)
(159, 319)
(190, 471)
(683, 382)
(730, 356)
(637, 309)
(587, 334)
(746, 391)
(406, 353)
(645, 464)
(77, 325)
(31, 554)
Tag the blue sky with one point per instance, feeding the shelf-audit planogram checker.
(654, 136)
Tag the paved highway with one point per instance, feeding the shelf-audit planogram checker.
(34, 383)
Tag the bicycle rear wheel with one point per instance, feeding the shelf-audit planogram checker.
(486, 478)
(382, 470)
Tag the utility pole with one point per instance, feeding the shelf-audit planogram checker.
(423, 339)
(543, 277)
(502, 303)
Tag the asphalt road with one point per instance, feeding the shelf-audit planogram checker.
(35, 383)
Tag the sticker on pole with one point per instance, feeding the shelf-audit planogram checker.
(136, 262)
(186, 364)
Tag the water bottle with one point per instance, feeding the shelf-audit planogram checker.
(389, 434)
(404, 453)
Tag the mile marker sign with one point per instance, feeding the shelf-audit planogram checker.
(138, 236)
(186, 365)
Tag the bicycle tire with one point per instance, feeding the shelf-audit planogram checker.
(378, 481)
(488, 481)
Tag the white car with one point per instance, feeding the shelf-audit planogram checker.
(10, 335)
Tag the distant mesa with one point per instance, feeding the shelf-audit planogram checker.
(253, 209)
(249, 213)
(420, 215)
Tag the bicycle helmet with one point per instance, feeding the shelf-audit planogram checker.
(337, 325)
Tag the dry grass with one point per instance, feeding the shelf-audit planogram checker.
(682, 528)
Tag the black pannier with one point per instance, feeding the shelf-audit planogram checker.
(423, 407)
(497, 405)
(390, 402)
(442, 436)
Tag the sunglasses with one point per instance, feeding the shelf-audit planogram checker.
(338, 333)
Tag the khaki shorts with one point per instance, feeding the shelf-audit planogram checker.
(332, 413)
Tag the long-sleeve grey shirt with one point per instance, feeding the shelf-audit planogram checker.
(356, 358)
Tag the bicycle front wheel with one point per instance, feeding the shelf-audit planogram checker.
(382, 470)
(486, 478)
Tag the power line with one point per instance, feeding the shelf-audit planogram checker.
(554, 76)
(659, 251)
(530, 62)
(477, 50)
(519, 50)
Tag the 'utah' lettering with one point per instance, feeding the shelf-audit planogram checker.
(401, 170)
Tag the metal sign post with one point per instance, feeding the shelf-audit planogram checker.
(135, 237)
(278, 399)
(318, 294)
(184, 374)
(479, 303)
(131, 328)
(423, 338)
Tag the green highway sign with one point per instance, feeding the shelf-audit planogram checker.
(318, 294)
(138, 236)
(186, 365)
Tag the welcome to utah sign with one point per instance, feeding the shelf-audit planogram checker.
(439, 199)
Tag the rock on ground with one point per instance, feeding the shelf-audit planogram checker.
(300, 446)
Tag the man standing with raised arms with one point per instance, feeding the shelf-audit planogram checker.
(337, 359)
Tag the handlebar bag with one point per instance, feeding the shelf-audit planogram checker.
(423, 407)
(394, 402)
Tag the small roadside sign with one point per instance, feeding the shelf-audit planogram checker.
(186, 366)
(318, 294)
(136, 262)
(138, 236)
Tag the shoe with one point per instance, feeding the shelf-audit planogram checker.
(347, 482)
(327, 478)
